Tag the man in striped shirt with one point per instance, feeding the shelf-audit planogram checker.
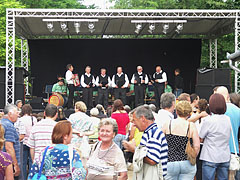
(153, 139)
(41, 134)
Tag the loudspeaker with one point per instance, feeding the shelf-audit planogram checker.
(205, 91)
(19, 93)
(37, 103)
(20, 75)
(213, 76)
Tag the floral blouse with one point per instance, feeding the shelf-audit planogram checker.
(5, 161)
(57, 164)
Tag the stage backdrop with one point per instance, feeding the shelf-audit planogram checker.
(50, 57)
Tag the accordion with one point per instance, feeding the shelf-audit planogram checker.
(76, 80)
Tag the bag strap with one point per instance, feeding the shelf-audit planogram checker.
(40, 170)
(234, 145)
(188, 130)
(70, 151)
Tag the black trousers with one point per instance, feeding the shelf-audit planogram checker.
(158, 90)
(139, 94)
(103, 97)
(70, 97)
(88, 97)
(120, 93)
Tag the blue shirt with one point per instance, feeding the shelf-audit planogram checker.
(11, 135)
(154, 139)
(234, 113)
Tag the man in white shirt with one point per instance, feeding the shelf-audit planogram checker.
(120, 82)
(103, 82)
(139, 79)
(159, 78)
(168, 101)
(88, 82)
(69, 78)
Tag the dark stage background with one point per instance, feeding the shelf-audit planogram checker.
(50, 57)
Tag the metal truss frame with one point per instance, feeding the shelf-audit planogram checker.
(98, 13)
(213, 53)
(24, 62)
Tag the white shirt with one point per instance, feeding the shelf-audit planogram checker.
(126, 80)
(164, 77)
(68, 77)
(82, 80)
(97, 80)
(144, 78)
(165, 116)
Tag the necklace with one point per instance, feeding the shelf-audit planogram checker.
(104, 153)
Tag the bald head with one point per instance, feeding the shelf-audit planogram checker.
(223, 91)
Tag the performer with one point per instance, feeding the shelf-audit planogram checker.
(178, 83)
(120, 82)
(103, 81)
(139, 79)
(87, 82)
(69, 78)
(159, 78)
(60, 88)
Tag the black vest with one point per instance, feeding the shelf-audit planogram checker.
(139, 78)
(120, 81)
(103, 80)
(88, 80)
(158, 76)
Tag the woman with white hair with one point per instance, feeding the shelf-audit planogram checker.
(95, 120)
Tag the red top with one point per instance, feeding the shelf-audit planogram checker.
(122, 121)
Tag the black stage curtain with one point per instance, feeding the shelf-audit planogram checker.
(50, 57)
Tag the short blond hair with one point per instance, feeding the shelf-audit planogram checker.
(183, 108)
(109, 121)
(2, 140)
(81, 106)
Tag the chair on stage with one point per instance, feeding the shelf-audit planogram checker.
(48, 90)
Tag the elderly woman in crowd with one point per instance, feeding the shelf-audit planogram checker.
(57, 160)
(215, 132)
(80, 123)
(177, 133)
(121, 116)
(107, 161)
(6, 168)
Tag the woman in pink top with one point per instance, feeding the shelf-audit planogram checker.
(122, 119)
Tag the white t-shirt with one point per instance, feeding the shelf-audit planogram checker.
(68, 77)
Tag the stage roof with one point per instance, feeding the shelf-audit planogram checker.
(32, 23)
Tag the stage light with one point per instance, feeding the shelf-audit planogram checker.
(64, 26)
(165, 28)
(50, 26)
(138, 28)
(77, 27)
(179, 28)
(151, 28)
(91, 27)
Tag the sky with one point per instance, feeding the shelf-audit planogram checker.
(102, 4)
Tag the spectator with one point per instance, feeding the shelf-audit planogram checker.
(40, 136)
(93, 117)
(215, 132)
(154, 109)
(121, 116)
(19, 105)
(184, 97)
(153, 149)
(233, 112)
(235, 99)
(6, 168)
(127, 108)
(107, 161)
(102, 113)
(12, 143)
(61, 114)
(177, 134)
(28, 121)
(194, 102)
(40, 116)
(167, 103)
(57, 159)
(80, 123)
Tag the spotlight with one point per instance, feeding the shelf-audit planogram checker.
(77, 27)
(91, 27)
(64, 26)
(165, 28)
(151, 28)
(138, 28)
(179, 28)
(50, 26)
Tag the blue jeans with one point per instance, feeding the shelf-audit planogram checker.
(209, 169)
(27, 160)
(178, 92)
(118, 140)
(180, 170)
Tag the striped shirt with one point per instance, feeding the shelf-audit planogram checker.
(154, 139)
(41, 135)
